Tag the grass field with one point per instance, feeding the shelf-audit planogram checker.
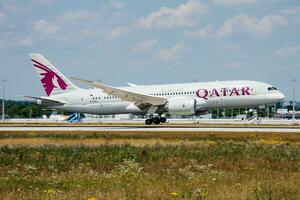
(144, 165)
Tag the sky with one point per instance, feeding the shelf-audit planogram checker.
(151, 42)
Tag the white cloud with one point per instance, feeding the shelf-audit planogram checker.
(166, 18)
(13, 7)
(146, 45)
(139, 65)
(16, 41)
(252, 25)
(120, 14)
(117, 5)
(205, 32)
(27, 41)
(234, 65)
(45, 27)
(116, 33)
(42, 1)
(240, 24)
(2, 16)
(287, 52)
(86, 32)
(79, 15)
(233, 2)
(291, 11)
(172, 54)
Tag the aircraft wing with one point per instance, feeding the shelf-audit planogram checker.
(140, 100)
(45, 100)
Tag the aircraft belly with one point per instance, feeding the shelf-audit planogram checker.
(103, 108)
(238, 101)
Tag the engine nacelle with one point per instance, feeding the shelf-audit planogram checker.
(181, 106)
(201, 104)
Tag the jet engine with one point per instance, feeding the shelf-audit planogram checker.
(181, 106)
(201, 105)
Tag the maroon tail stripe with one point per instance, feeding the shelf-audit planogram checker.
(40, 64)
(41, 67)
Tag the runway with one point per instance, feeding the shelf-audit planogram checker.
(151, 129)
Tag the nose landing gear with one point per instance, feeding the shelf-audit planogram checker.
(155, 120)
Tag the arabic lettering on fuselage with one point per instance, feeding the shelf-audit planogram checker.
(217, 92)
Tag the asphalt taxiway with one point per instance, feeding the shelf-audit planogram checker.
(151, 129)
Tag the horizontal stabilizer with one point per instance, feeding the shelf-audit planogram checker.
(46, 101)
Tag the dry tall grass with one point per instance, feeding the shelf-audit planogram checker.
(149, 165)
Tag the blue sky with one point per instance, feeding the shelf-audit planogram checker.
(151, 42)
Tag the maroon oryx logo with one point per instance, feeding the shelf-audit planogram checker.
(50, 79)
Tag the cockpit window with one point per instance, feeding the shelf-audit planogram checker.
(272, 88)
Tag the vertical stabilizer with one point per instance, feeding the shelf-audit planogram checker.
(54, 82)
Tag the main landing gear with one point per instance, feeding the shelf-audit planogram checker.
(155, 120)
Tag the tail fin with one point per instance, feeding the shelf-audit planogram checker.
(54, 82)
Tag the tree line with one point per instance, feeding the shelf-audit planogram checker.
(24, 109)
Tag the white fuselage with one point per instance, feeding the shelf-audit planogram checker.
(207, 95)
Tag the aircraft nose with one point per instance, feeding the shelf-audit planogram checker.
(280, 96)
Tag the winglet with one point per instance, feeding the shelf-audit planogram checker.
(131, 84)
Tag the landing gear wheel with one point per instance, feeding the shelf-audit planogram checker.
(163, 119)
(156, 120)
(148, 122)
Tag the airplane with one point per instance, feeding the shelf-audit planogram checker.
(154, 101)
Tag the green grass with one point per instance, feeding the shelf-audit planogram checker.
(225, 165)
(226, 170)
